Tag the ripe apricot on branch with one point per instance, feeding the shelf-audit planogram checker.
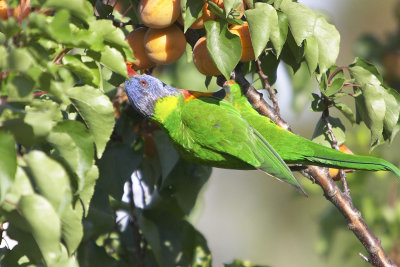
(202, 59)
(244, 33)
(136, 41)
(159, 14)
(165, 46)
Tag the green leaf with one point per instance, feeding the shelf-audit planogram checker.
(88, 72)
(21, 186)
(279, 35)
(79, 8)
(166, 152)
(71, 228)
(32, 125)
(240, 263)
(8, 163)
(44, 224)
(88, 189)
(73, 145)
(331, 87)
(112, 35)
(97, 112)
(103, 9)
(377, 106)
(59, 28)
(305, 23)
(224, 47)
(111, 58)
(116, 167)
(50, 178)
(20, 89)
(311, 53)
(346, 111)
(230, 5)
(184, 183)
(19, 59)
(269, 65)
(9, 27)
(321, 135)
(263, 20)
(191, 10)
(317, 104)
(183, 239)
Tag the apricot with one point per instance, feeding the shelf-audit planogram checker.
(334, 173)
(164, 46)
(244, 33)
(202, 59)
(159, 14)
(3, 10)
(136, 41)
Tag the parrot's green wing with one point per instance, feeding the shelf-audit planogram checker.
(216, 125)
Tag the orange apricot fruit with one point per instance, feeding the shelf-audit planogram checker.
(165, 46)
(244, 33)
(135, 40)
(334, 173)
(3, 10)
(202, 59)
(159, 14)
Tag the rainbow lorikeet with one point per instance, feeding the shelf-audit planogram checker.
(223, 130)
(206, 129)
(295, 149)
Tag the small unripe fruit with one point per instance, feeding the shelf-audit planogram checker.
(202, 59)
(159, 14)
(244, 33)
(136, 41)
(165, 46)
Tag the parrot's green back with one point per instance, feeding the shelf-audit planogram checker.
(294, 149)
(211, 131)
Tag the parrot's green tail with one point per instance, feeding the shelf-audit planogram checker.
(336, 159)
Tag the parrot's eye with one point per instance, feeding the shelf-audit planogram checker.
(143, 83)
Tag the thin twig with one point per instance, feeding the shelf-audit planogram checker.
(355, 222)
(271, 92)
(334, 144)
(59, 57)
(133, 222)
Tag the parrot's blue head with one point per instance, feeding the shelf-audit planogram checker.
(143, 92)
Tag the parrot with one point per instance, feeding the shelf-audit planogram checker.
(205, 128)
(294, 149)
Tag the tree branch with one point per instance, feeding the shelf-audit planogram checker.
(320, 175)
(272, 93)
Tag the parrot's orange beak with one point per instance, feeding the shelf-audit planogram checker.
(131, 71)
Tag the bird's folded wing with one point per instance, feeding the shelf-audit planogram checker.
(215, 124)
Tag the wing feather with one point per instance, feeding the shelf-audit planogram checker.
(216, 125)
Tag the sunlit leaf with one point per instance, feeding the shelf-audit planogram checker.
(97, 112)
(224, 47)
(8, 162)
